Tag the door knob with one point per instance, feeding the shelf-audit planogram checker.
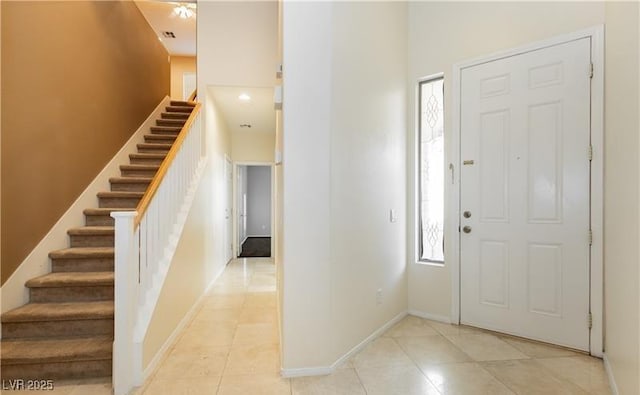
(467, 214)
(466, 229)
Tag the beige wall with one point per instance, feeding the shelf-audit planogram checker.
(78, 79)
(622, 200)
(253, 147)
(187, 278)
(179, 66)
(344, 137)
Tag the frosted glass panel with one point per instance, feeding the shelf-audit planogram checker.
(431, 191)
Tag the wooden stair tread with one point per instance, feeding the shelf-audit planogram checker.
(158, 146)
(161, 137)
(156, 131)
(72, 279)
(147, 155)
(139, 167)
(118, 194)
(82, 252)
(34, 312)
(175, 115)
(17, 352)
(104, 210)
(182, 103)
(130, 180)
(91, 230)
(184, 109)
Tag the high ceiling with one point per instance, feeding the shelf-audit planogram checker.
(257, 112)
(162, 18)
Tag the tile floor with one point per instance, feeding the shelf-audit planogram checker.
(231, 347)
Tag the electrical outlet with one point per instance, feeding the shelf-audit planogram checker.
(379, 296)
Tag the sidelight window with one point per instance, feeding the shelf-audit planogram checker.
(431, 171)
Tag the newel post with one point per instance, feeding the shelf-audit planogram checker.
(125, 301)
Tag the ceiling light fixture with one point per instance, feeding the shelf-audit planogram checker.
(244, 97)
(185, 11)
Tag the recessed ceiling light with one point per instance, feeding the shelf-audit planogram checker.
(244, 97)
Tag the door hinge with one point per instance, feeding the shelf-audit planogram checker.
(590, 153)
(590, 237)
(590, 320)
(591, 70)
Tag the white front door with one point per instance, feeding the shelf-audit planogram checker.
(524, 194)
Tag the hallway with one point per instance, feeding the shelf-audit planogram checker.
(231, 347)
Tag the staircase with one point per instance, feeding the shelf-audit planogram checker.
(66, 329)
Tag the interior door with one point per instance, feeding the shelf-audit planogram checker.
(524, 194)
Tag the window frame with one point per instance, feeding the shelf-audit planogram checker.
(418, 171)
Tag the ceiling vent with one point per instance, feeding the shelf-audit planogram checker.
(168, 34)
(245, 125)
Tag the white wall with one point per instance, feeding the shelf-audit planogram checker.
(442, 34)
(259, 201)
(344, 168)
(621, 225)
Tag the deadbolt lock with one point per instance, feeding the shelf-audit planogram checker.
(466, 229)
(467, 214)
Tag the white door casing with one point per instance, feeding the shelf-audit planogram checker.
(228, 210)
(241, 205)
(524, 120)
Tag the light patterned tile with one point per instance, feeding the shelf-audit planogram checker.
(411, 326)
(586, 372)
(193, 386)
(485, 347)
(464, 378)
(258, 316)
(223, 302)
(341, 382)
(429, 350)
(450, 329)
(260, 299)
(536, 349)
(528, 377)
(383, 351)
(395, 380)
(255, 384)
(256, 334)
(197, 337)
(253, 359)
(204, 362)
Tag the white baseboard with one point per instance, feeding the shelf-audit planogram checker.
(304, 372)
(433, 317)
(612, 380)
(324, 370)
(13, 292)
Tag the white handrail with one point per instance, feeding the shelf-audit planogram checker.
(145, 242)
